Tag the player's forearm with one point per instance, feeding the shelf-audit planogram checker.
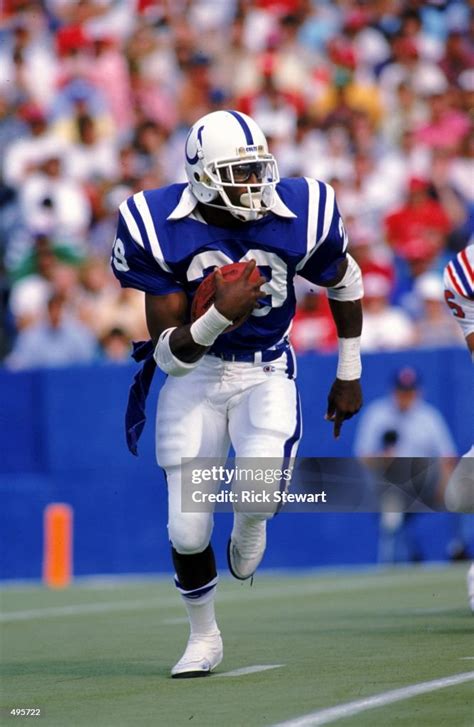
(180, 348)
(347, 316)
(183, 345)
(181, 342)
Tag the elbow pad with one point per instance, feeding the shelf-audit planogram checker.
(350, 287)
(167, 361)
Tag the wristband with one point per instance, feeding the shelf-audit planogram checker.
(349, 366)
(167, 361)
(208, 327)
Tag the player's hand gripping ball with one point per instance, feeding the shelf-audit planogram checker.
(251, 282)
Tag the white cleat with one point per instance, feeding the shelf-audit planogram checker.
(470, 587)
(246, 545)
(203, 653)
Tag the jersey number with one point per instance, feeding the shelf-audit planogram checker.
(457, 310)
(118, 256)
(274, 289)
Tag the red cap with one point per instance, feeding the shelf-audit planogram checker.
(417, 248)
(267, 63)
(71, 37)
(417, 184)
(356, 19)
(31, 112)
(406, 47)
(342, 54)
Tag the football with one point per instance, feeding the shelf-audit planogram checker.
(204, 296)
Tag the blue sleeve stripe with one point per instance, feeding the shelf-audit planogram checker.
(244, 125)
(138, 219)
(321, 209)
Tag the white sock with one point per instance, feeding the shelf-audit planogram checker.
(200, 608)
(202, 618)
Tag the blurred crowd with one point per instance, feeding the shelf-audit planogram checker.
(97, 96)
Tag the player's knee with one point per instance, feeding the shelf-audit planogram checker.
(190, 537)
(459, 495)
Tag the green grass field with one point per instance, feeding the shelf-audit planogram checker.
(99, 653)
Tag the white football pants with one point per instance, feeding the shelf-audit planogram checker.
(254, 407)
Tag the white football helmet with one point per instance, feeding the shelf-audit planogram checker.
(227, 150)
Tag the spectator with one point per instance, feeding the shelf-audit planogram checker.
(446, 125)
(386, 327)
(420, 216)
(419, 429)
(27, 62)
(96, 296)
(96, 100)
(273, 109)
(115, 345)
(458, 56)
(313, 327)
(109, 73)
(363, 196)
(435, 326)
(26, 153)
(404, 426)
(30, 294)
(91, 158)
(369, 251)
(56, 205)
(58, 341)
(195, 92)
(346, 93)
(122, 309)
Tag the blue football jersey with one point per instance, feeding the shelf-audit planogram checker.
(159, 254)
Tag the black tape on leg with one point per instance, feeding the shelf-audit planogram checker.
(196, 570)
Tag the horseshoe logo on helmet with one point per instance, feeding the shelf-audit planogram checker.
(194, 159)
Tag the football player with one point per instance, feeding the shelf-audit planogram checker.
(459, 295)
(237, 387)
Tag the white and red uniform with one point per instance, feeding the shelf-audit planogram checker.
(459, 288)
(459, 295)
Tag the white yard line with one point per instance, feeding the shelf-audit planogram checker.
(332, 714)
(260, 591)
(76, 610)
(171, 601)
(248, 670)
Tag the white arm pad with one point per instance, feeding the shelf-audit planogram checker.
(166, 359)
(350, 287)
